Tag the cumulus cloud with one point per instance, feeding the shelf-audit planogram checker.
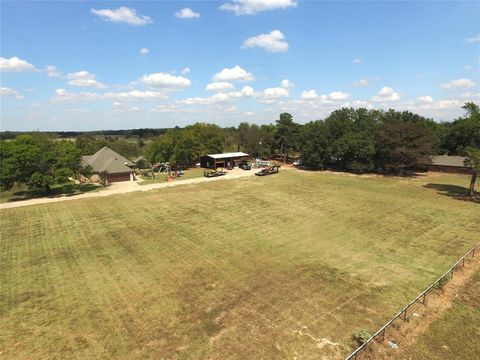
(287, 84)
(122, 15)
(15, 64)
(251, 7)
(473, 40)
(185, 71)
(63, 96)
(233, 74)
(338, 95)
(219, 86)
(52, 71)
(459, 84)
(332, 97)
(386, 94)
(309, 95)
(357, 61)
(425, 99)
(271, 42)
(144, 51)
(246, 91)
(273, 93)
(4, 91)
(164, 80)
(187, 13)
(84, 79)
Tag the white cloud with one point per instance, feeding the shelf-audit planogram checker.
(233, 74)
(4, 91)
(361, 83)
(185, 71)
(333, 96)
(52, 71)
(287, 84)
(15, 64)
(84, 79)
(272, 42)
(164, 80)
(425, 99)
(246, 91)
(63, 96)
(473, 40)
(357, 61)
(251, 7)
(186, 13)
(309, 95)
(338, 95)
(459, 84)
(122, 15)
(274, 93)
(144, 51)
(219, 86)
(386, 94)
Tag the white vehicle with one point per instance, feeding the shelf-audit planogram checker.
(297, 163)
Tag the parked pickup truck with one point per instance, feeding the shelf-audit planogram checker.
(244, 165)
(213, 173)
(268, 170)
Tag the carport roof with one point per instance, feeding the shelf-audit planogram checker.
(227, 155)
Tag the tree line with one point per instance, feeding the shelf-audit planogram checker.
(358, 140)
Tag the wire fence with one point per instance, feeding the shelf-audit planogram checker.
(420, 299)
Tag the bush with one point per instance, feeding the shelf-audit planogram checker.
(361, 336)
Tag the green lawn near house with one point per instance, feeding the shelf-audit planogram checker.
(284, 266)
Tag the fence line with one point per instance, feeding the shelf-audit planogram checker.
(448, 274)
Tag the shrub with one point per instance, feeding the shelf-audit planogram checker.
(361, 336)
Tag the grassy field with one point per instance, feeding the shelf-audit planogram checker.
(456, 335)
(161, 177)
(278, 267)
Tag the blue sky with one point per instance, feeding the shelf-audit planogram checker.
(78, 65)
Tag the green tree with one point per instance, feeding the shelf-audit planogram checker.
(403, 144)
(314, 144)
(39, 161)
(464, 132)
(286, 134)
(473, 160)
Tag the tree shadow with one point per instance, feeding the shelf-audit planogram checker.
(455, 192)
(63, 190)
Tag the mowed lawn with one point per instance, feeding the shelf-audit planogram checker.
(283, 266)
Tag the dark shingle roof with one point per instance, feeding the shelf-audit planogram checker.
(445, 160)
(107, 160)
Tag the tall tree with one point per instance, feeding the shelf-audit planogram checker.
(464, 132)
(286, 134)
(38, 161)
(403, 144)
(314, 144)
(473, 160)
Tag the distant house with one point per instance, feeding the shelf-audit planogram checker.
(225, 160)
(115, 165)
(449, 164)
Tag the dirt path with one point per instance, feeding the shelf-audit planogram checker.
(127, 187)
(405, 334)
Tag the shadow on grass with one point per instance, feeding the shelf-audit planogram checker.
(454, 191)
(408, 174)
(63, 190)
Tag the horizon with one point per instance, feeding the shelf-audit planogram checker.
(100, 66)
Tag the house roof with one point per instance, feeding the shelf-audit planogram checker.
(227, 155)
(445, 160)
(107, 160)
